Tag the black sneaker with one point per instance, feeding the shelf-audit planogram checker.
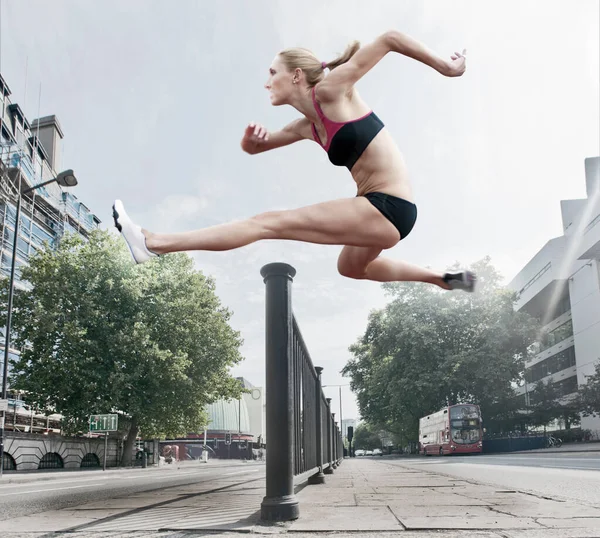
(465, 281)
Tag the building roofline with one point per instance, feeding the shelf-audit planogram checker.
(46, 121)
(5, 87)
(15, 108)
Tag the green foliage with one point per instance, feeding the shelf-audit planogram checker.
(429, 347)
(103, 335)
(365, 437)
(547, 405)
(544, 406)
(590, 394)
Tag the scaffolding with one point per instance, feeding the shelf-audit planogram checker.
(47, 213)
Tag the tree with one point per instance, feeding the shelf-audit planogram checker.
(548, 404)
(590, 394)
(99, 334)
(429, 348)
(366, 438)
(544, 406)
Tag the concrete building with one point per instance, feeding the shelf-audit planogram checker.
(561, 287)
(255, 404)
(30, 152)
(235, 428)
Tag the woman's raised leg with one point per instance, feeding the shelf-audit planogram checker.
(366, 263)
(349, 221)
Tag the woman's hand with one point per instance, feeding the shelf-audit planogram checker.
(458, 65)
(254, 135)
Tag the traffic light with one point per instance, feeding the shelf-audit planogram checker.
(228, 438)
(350, 433)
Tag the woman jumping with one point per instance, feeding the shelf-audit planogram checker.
(334, 116)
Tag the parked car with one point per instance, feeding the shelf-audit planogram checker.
(359, 452)
(368, 452)
(377, 452)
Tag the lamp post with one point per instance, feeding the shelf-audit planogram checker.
(340, 392)
(64, 179)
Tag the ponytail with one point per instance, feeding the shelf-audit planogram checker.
(350, 51)
(314, 70)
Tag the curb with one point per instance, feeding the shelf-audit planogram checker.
(77, 474)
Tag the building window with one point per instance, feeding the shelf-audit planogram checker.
(557, 335)
(567, 386)
(563, 305)
(556, 363)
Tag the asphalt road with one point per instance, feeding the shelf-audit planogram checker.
(571, 460)
(81, 487)
(568, 476)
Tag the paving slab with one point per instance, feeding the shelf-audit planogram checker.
(552, 533)
(411, 510)
(413, 483)
(210, 501)
(575, 522)
(417, 490)
(225, 534)
(550, 509)
(357, 518)
(44, 520)
(201, 516)
(475, 522)
(326, 498)
(501, 498)
(332, 489)
(365, 499)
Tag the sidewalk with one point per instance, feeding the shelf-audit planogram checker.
(366, 498)
(22, 477)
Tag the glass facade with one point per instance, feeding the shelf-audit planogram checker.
(555, 336)
(551, 365)
(47, 213)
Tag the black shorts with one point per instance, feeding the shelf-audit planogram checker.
(401, 213)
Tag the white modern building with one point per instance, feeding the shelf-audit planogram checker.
(346, 422)
(561, 286)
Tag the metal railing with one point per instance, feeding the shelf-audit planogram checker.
(303, 439)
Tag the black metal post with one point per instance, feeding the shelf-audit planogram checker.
(334, 441)
(319, 478)
(280, 503)
(329, 469)
(105, 450)
(337, 445)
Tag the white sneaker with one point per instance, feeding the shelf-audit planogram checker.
(465, 280)
(132, 233)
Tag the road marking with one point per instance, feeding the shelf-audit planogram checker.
(39, 491)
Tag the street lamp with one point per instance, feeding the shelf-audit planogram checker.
(340, 387)
(64, 179)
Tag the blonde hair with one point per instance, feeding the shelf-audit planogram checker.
(313, 69)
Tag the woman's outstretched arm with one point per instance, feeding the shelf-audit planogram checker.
(346, 75)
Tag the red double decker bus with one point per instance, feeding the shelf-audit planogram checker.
(455, 429)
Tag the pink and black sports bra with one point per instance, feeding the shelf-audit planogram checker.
(346, 141)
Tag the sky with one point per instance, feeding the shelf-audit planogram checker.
(153, 98)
